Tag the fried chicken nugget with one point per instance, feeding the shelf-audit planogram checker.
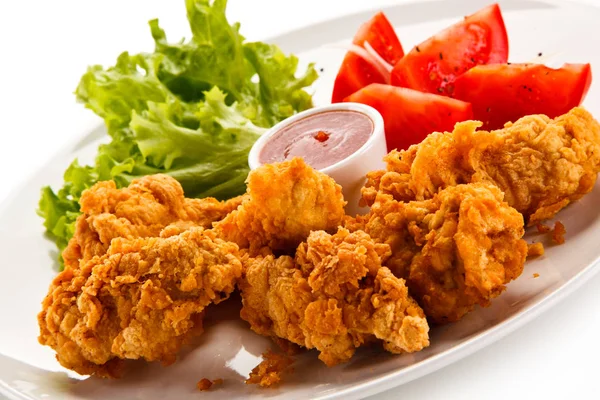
(143, 209)
(284, 203)
(540, 164)
(143, 299)
(333, 296)
(456, 250)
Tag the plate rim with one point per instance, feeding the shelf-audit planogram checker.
(469, 346)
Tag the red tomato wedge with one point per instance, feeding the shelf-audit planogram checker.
(410, 115)
(357, 71)
(502, 93)
(433, 65)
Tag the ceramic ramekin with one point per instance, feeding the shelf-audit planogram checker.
(350, 173)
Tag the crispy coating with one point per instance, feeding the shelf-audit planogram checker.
(270, 370)
(455, 250)
(284, 203)
(540, 164)
(143, 299)
(333, 296)
(143, 209)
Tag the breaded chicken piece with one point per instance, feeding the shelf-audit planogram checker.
(540, 164)
(270, 370)
(143, 209)
(284, 203)
(143, 299)
(333, 296)
(456, 250)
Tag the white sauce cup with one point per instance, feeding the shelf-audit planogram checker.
(350, 173)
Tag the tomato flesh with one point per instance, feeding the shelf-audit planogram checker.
(433, 65)
(506, 92)
(409, 115)
(355, 72)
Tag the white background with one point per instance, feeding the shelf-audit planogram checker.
(46, 45)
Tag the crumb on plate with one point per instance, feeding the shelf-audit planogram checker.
(536, 275)
(205, 384)
(535, 250)
(558, 233)
(269, 371)
(541, 228)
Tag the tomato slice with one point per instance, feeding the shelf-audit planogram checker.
(356, 72)
(502, 93)
(409, 115)
(433, 65)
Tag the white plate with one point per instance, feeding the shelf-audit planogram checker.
(229, 349)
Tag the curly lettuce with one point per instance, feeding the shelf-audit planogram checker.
(191, 109)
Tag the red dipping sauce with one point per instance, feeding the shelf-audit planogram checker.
(321, 139)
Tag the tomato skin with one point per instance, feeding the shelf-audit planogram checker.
(409, 115)
(433, 65)
(502, 93)
(356, 73)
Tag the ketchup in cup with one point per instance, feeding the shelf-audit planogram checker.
(342, 140)
(321, 139)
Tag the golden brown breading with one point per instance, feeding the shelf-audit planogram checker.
(456, 250)
(284, 203)
(143, 299)
(141, 210)
(540, 164)
(270, 370)
(334, 296)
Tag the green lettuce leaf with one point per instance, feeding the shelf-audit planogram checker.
(213, 57)
(61, 209)
(279, 93)
(115, 92)
(190, 109)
